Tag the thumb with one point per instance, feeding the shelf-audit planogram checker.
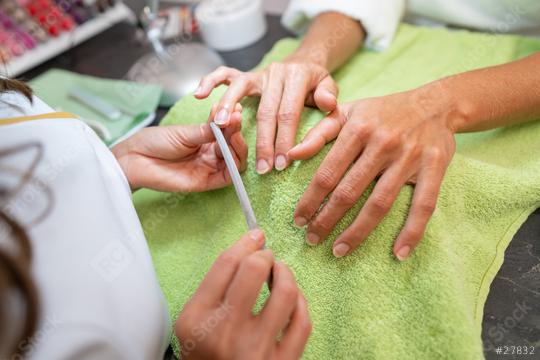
(325, 94)
(192, 135)
(324, 132)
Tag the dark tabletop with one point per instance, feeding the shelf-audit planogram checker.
(512, 311)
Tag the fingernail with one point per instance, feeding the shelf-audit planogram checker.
(341, 250)
(256, 235)
(300, 221)
(262, 166)
(198, 91)
(403, 252)
(312, 239)
(281, 162)
(221, 117)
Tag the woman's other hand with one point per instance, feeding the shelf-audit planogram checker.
(218, 321)
(406, 138)
(397, 139)
(181, 158)
(285, 87)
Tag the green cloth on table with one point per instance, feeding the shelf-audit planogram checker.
(140, 100)
(369, 305)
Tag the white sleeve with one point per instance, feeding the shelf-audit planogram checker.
(67, 342)
(380, 18)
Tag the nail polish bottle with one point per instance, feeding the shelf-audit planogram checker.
(7, 40)
(17, 33)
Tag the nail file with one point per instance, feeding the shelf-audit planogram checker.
(239, 187)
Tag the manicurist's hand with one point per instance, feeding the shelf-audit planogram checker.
(182, 158)
(397, 139)
(218, 322)
(285, 87)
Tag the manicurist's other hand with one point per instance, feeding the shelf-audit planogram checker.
(397, 139)
(218, 321)
(285, 87)
(180, 158)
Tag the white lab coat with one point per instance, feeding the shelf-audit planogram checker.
(98, 291)
(381, 18)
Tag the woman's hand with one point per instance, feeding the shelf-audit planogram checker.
(406, 138)
(284, 89)
(218, 322)
(401, 138)
(181, 157)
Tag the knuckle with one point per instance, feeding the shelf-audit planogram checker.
(223, 69)
(345, 195)
(362, 172)
(228, 260)
(266, 113)
(289, 292)
(433, 154)
(381, 203)
(243, 79)
(388, 141)
(322, 224)
(264, 145)
(412, 150)
(360, 132)
(413, 235)
(288, 117)
(427, 207)
(325, 179)
(255, 264)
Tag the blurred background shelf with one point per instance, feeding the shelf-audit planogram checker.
(43, 52)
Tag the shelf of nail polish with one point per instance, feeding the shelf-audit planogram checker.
(34, 31)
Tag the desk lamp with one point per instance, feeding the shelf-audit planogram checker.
(177, 67)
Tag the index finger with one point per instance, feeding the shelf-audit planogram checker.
(216, 282)
(316, 138)
(242, 86)
(248, 282)
(345, 150)
(222, 75)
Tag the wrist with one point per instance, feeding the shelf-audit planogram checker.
(316, 55)
(440, 101)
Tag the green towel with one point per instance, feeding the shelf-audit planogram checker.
(368, 305)
(140, 100)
